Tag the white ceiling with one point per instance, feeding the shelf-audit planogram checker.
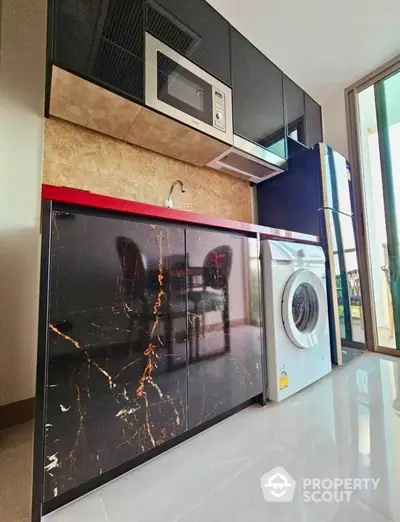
(323, 45)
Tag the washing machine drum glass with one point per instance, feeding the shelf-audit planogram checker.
(304, 309)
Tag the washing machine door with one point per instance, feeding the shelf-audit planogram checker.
(304, 309)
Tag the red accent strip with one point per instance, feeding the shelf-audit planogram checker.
(89, 199)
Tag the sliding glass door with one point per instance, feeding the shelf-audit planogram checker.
(387, 95)
(379, 139)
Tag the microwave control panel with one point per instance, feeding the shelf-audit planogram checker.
(219, 110)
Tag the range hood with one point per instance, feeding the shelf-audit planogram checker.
(248, 161)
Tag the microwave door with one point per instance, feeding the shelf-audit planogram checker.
(183, 90)
(177, 87)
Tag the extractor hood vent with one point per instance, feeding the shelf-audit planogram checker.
(170, 30)
(243, 164)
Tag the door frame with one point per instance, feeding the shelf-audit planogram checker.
(362, 244)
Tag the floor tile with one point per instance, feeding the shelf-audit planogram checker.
(85, 509)
(180, 478)
(242, 498)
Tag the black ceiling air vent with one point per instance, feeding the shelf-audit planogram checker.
(167, 28)
(118, 68)
(119, 58)
(123, 26)
(74, 32)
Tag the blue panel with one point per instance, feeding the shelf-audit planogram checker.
(293, 147)
(291, 200)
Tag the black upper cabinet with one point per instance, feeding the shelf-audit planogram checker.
(194, 29)
(313, 122)
(102, 40)
(294, 110)
(257, 96)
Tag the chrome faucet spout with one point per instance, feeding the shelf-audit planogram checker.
(168, 203)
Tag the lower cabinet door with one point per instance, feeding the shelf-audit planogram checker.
(117, 372)
(147, 339)
(225, 336)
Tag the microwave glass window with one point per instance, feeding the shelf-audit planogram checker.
(183, 90)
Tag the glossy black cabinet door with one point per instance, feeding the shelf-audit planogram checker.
(102, 40)
(117, 372)
(313, 122)
(224, 338)
(194, 29)
(257, 96)
(294, 110)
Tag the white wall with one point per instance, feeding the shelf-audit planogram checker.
(22, 69)
(334, 122)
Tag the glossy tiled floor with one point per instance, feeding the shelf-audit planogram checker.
(345, 426)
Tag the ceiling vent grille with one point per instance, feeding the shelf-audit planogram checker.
(167, 28)
(119, 69)
(119, 58)
(124, 26)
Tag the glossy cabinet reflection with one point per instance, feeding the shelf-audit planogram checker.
(195, 30)
(257, 96)
(147, 338)
(115, 322)
(313, 121)
(294, 110)
(225, 361)
(102, 41)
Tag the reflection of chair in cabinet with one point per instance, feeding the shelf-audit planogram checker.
(134, 278)
(141, 292)
(214, 293)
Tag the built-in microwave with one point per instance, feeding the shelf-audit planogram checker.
(180, 89)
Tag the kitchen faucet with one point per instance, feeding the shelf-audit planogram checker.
(168, 202)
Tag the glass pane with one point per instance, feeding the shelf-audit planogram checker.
(375, 217)
(387, 94)
(180, 88)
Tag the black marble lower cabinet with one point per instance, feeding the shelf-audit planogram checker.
(225, 340)
(154, 329)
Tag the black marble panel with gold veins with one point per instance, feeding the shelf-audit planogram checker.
(116, 323)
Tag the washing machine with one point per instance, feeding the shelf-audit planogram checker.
(296, 317)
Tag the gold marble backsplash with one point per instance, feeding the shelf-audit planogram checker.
(81, 158)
